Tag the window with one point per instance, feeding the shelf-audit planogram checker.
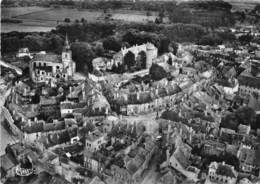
(44, 64)
(57, 67)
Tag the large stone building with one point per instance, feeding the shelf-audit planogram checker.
(52, 68)
(249, 80)
(149, 51)
(222, 173)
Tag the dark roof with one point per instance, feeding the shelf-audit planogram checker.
(54, 126)
(171, 115)
(250, 81)
(33, 128)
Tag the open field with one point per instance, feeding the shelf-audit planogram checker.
(73, 14)
(15, 11)
(45, 19)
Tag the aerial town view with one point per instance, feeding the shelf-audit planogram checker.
(130, 92)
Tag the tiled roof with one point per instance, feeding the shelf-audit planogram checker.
(48, 58)
(96, 180)
(179, 155)
(94, 135)
(72, 105)
(33, 128)
(54, 126)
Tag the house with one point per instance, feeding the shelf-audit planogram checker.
(129, 103)
(23, 93)
(52, 68)
(168, 178)
(96, 180)
(22, 52)
(248, 157)
(68, 169)
(222, 173)
(68, 107)
(49, 106)
(7, 166)
(95, 140)
(244, 129)
(211, 147)
(179, 160)
(249, 80)
(130, 167)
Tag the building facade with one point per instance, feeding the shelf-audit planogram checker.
(52, 68)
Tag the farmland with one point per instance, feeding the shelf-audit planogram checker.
(15, 11)
(47, 18)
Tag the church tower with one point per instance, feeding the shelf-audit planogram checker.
(68, 64)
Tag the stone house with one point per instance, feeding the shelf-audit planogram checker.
(222, 173)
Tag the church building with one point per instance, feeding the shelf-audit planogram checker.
(52, 68)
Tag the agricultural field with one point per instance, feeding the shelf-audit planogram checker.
(133, 17)
(15, 11)
(60, 14)
(45, 19)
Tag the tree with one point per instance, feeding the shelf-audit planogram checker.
(161, 15)
(129, 59)
(245, 115)
(164, 45)
(112, 43)
(245, 39)
(148, 14)
(173, 47)
(83, 20)
(210, 40)
(67, 20)
(157, 72)
(83, 55)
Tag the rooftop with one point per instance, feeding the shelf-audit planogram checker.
(249, 80)
(53, 58)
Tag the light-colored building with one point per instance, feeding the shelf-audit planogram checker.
(95, 140)
(150, 51)
(23, 52)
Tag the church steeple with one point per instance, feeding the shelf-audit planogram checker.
(66, 44)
